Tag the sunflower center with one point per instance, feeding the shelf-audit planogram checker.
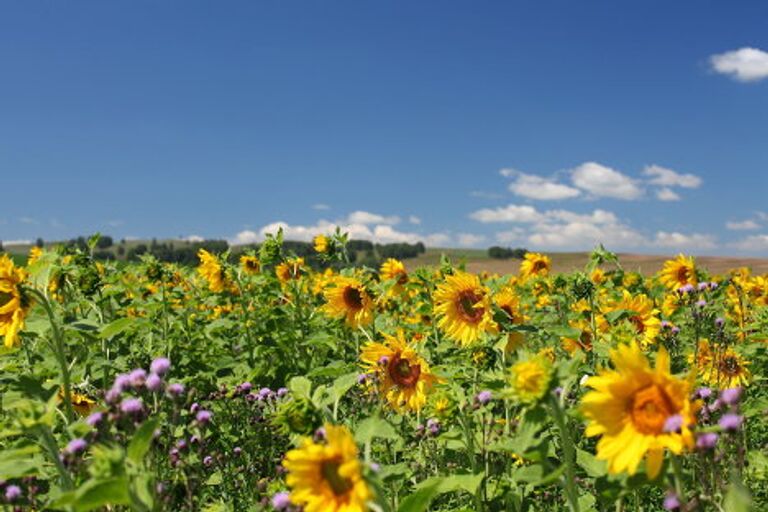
(338, 484)
(403, 373)
(353, 298)
(638, 323)
(729, 365)
(682, 274)
(466, 305)
(650, 409)
(402, 278)
(5, 298)
(538, 266)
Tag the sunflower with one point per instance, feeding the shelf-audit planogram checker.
(34, 254)
(327, 476)
(14, 303)
(346, 298)
(720, 367)
(509, 303)
(535, 264)
(321, 244)
(678, 272)
(250, 264)
(641, 314)
(529, 379)
(82, 404)
(402, 375)
(393, 269)
(292, 268)
(464, 308)
(632, 406)
(597, 276)
(212, 271)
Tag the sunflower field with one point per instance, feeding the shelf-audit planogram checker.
(257, 382)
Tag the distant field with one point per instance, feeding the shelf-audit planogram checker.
(477, 260)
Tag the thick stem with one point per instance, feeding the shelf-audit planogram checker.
(569, 455)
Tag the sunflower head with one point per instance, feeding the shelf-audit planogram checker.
(250, 264)
(529, 379)
(641, 318)
(678, 272)
(393, 269)
(321, 244)
(290, 269)
(463, 308)
(346, 297)
(632, 407)
(535, 264)
(402, 376)
(14, 302)
(212, 271)
(326, 476)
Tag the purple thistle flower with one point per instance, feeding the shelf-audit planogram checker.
(175, 389)
(673, 423)
(665, 324)
(701, 303)
(703, 286)
(194, 439)
(731, 396)
(265, 393)
(132, 406)
(281, 501)
(12, 493)
(320, 434)
(671, 502)
(245, 387)
(484, 397)
(137, 377)
(154, 382)
(207, 460)
(703, 393)
(282, 392)
(160, 366)
(731, 422)
(237, 450)
(675, 330)
(433, 426)
(194, 407)
(76, 446)
(94, 419)
(203, 416)
(719, 322)
(706, 441)
(384, 360)
(122, 382)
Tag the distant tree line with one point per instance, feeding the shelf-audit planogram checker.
(505, 253)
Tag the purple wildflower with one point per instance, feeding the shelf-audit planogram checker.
(207, 460)
(175, 389)
(484, 397)
(203, 416)
(282, 392)
(281, 501)
(265, 393)
(160, 366)
(245, 387)
(12, 493)
(154, 382)
(731, 396)
(706, 441)
(703, 393)
(94, 419)
(673, 423)
(671, 502)
(76, 446)
(132, 406)
(137, 377)
(731, 422)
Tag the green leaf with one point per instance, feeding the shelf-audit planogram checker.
(95, 494)
(214, 479)
(616, 314)
(590, 464)
(141, 441)
(432, 487)
(114, 328)
(373, 427)
(300, 387)
(342, 385)
(737, 499)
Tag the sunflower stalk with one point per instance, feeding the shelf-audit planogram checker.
(57, 344)
(569, 453)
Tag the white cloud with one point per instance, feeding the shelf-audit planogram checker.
(537, 187)
(507, 172)
(583, 235)
(469, 239)
(744, 225)
(668, 178)
(363, 217)
(510, 213)
(192, 238)
(667, 194)
(684, 242)
(745, 64)
(509, 236)
(414, 220)
(602, 181)
(753, 243)
(320, 206)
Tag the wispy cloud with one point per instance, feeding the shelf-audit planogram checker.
(744, 225)
(538, 187)
(602, 181)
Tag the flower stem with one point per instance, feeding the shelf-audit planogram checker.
(569, 455)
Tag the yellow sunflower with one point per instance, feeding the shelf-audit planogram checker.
(641, 315)
(403, 377)
(346, 298)
(509, 302)
(212, 271)
(250, 264)
(14, 303)
(721, 367)
(678, 272)
(529, 379)
(535, 264)
(327, 476)
(464, 308)
(321, 244)
(82, 404)
(292, 268)
(393, 269)
(638, 411)
(34, 254)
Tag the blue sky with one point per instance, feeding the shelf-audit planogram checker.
(548, 125)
